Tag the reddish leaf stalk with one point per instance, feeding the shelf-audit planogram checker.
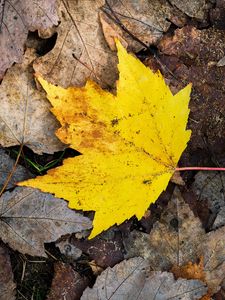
(199, 169)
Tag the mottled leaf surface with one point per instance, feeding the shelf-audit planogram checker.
(178, 238)
(132, 279)
(29, 218)
(25, 117)
(16, 19)
(7, 285)
(209, 186)
(80, 51)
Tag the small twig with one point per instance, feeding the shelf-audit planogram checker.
(12, 171)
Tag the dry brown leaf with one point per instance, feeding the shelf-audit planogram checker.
(80, 51)
(192, 8)
(24, 113)
(173, 239)
(213, 251)
(209, 186)
(67, 284)
(146, 20)
(16, 19)
(177, 239)
(29, 218)
(177, 179)
(6, 166)
(132, 279)
(7, 286)
(190, 270)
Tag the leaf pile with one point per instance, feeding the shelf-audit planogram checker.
(129, 140)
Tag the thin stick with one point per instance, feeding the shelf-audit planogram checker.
(199, 169)
(12, 171)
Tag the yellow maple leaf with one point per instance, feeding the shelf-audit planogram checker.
(130, 143)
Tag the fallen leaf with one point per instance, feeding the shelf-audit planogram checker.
(6, 166)
(190, 270)
(7, 285)
(145, 20)
(213, 251)
(217, 15)
(71, 252)
(177, 239)
(29, 218)
(209, 186)
(177, 179)
(16, 19)
(106, 250)
(172, 241)
(67, 284)
(24, 113)
(132, 279)
(193, 8)
(80, 51)
(131, 143)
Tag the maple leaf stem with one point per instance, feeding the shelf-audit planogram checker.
(200, 169)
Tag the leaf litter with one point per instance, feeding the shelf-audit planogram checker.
(16, 19)
(7, 284)
(181, 62)
(30, 218)
(132, 279)
(179, 238)
(24, 113)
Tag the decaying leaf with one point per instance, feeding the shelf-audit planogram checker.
(7, 285)
(213, 251)
(132, 279)
(67, 284)
(16, 19)
(130, 142)
(145, 20)
(29, 218)
(24, 112)
(177, 239)
(106, 250)
(6, 166)
(172, 241)
(193, 8)
(209, 186)
(80, 51)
